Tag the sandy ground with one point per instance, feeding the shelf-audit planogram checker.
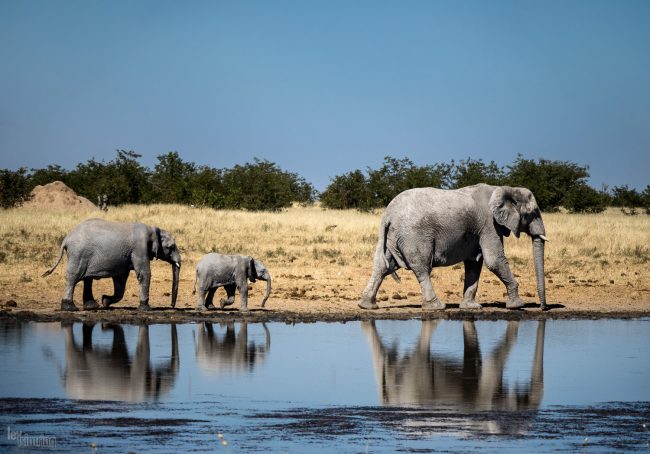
(315, 296)
(321, 260)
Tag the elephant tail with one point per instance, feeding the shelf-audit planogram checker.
(388, 256)
(48, 272)
(196, 277)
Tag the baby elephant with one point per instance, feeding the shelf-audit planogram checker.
(230, 272)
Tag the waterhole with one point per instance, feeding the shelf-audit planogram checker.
(383, 386)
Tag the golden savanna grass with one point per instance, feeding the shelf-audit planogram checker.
(321, 260)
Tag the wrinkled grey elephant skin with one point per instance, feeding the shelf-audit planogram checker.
(98, 249)
(232, 272)
(425, 228)
(474, 383)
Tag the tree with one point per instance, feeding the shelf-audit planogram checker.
(171, 179)
(207, 187)
(550, 181)
(14, 187)
(398, 175)
(623, 196)
(52, 172)
(130, 178)
(262, 185)
(582, 198)
(471, 172)
(349, 190)
(646, 199)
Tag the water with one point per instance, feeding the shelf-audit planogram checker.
(385, 386)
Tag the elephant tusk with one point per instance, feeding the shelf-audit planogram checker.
(178, 265)
(543, 237)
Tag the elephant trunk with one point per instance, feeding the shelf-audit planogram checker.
(176, 270)
(538, 257)
(268, 290)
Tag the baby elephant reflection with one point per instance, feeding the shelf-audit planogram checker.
(473, 384)
(97, 372)
(229, 352)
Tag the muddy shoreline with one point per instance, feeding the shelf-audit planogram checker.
(169, 315)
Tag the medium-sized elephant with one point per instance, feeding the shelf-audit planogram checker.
(424, 228)
(99, 372)
(98, 248)
(232, 272)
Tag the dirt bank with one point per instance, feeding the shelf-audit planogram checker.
(298, 313)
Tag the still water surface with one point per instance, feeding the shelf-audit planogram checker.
(380, 386)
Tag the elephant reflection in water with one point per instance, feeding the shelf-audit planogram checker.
(229, 352)
(459, 387)
(97, 372)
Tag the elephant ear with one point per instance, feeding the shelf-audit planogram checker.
(251, 272)
(152, 242)
(504, 209)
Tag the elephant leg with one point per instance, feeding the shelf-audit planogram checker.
(429, 298)
(143, 273)
(472, 274)
(230, 293)
(200, 301)
(379, 272)
(209, 298)
(67, 303)
(87, 336)
(243, 296)
(119, 287)
(499, 266)
(471, 353)
(89, 300)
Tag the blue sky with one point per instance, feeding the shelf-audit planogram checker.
(324, 87)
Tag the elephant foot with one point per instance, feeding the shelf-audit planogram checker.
(515, 303)
(210, 307)
(67, 305)
(470, 305)
(201, 307)
(433, 305)
(367, 304)
(144, 306)
(90, 305)
(106, 301)
(244, 310)
(223, 303)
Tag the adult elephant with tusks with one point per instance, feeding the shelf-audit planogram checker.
(425, 228)
(98, 248)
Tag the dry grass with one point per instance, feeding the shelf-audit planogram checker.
(321, 259)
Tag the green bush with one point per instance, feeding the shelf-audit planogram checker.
(347, 191)
(584, 199)
(554, 183)
(263, 186)
(355, 190)
(14, 187)
(471, 172)
(550, 181)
